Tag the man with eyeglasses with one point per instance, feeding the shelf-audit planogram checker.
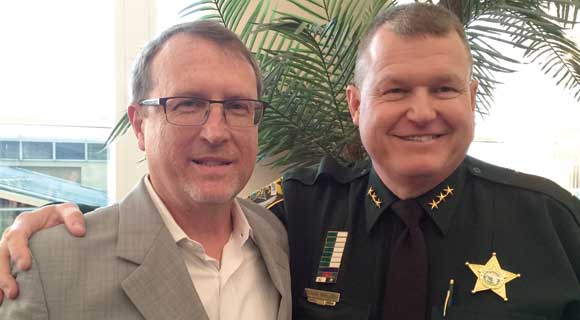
(180, 245)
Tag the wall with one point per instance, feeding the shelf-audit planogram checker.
(135, 26)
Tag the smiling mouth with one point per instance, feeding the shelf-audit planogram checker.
(424, 138)
(212, 163)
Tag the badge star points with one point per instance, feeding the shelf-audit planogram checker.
(441, 196)
(491, 276)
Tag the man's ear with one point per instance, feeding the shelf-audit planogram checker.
(473, 90)
(135, 114)
(353, 99)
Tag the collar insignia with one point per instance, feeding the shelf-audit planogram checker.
(331, 256)
(378, 202)
(491, 276)
(447, 192)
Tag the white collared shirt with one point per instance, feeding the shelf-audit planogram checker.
(242, 287)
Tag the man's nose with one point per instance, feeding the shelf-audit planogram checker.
(215, 129)
(422, 107)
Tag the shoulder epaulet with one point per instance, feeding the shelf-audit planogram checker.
(521, 180)
(269, 195)
(329, 167)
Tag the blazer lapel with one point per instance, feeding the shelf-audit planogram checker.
(160, 287)
(275, 256)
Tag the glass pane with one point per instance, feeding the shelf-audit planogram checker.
(36, 150)
(95, 151)
(9, 149)
(69, 151)
(67, 173)
(9, 210)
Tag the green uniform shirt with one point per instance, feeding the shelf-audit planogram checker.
(341, 231)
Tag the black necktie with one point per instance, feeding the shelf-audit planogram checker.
(406, 290)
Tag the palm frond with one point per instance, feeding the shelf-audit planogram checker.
(225, 12)
(566, 10)
(526, 25)
(120, 129)
(307, 81)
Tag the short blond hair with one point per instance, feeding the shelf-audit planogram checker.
(410, 20)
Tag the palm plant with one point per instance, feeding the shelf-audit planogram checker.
(307, 57)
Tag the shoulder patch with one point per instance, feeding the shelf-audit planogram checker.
(269, 195)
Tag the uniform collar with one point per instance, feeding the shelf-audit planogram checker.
(377, 199)
(439, 203)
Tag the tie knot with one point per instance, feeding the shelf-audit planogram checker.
(409, 211)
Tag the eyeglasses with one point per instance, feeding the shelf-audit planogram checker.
(193, 111)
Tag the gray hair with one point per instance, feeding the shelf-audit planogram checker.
(410, 20)
(211, 31)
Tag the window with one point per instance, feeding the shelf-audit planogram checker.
(73, 174)
(60, 99)
(96, 151)
(69, 151)
(37, 150)
(9, 150)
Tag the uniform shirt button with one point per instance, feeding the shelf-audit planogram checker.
(476, 170)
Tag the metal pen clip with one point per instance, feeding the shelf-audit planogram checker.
(448, 298)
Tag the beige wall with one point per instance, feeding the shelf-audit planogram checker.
(135, 26)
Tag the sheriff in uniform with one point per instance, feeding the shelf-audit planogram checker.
(422, 231)
(529, 225)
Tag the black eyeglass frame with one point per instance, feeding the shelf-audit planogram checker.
(162, 102)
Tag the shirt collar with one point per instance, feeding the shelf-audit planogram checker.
(241, 229)
(439, 203)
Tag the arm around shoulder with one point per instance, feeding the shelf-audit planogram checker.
(31, 303)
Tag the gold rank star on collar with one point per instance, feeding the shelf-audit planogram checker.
(447, 192)
(373, 195)
(491, 276)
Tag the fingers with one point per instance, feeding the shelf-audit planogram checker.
(15, 247)
(73, 219)
(15, 237)
(26, 224)
(8, 285)
(14, 242)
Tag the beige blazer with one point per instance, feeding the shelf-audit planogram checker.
(129, 267)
